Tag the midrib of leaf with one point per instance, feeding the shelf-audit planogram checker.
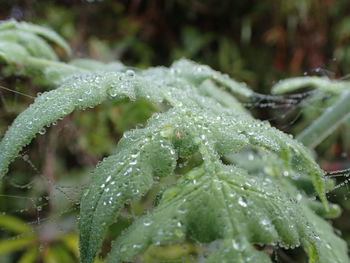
(210, 168)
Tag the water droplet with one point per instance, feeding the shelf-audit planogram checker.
(250, 157)
(136, 246)
(112, 92)
(147, 223)
(298, 197)
(238, 245)
(130, 73)
(135, 191)
(265, 222)
(242, 202)
(42, 131)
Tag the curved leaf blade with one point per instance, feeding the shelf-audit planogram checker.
(38, 30)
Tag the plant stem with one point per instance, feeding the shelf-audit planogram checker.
(327, 122)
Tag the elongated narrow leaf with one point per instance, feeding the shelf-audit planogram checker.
(14, 224)
(198, 73)
(35, 45)
(77, 93)
(208, 88)
(12, 52)
(322, 83)
(335, 112)
(38, 30)
(325, 124)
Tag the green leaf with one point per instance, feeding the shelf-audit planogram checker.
(14, 224)
(230, 208)
(197, 73)
(25, 237)
(29, 256)
(231, 250)
(322, 83)
(89, 90)
(208, 88)
(12, 52)
(26, 45)
(94, 65)
(57, 254)
(327, 123)
(236, 211)
(35, 45)
(333, 115)
(119, 178)
(37, 30)
(197, 132)
(77, 93)
(16, 243)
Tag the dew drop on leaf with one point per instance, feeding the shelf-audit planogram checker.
(42, 131)
(242, 202)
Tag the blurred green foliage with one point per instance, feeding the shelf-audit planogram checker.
(254, 41)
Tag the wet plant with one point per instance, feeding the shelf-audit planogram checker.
(238, 185)
(334, 111)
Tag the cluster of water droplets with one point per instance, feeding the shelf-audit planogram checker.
(193, 124)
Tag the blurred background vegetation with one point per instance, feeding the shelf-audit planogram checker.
(258, 42)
